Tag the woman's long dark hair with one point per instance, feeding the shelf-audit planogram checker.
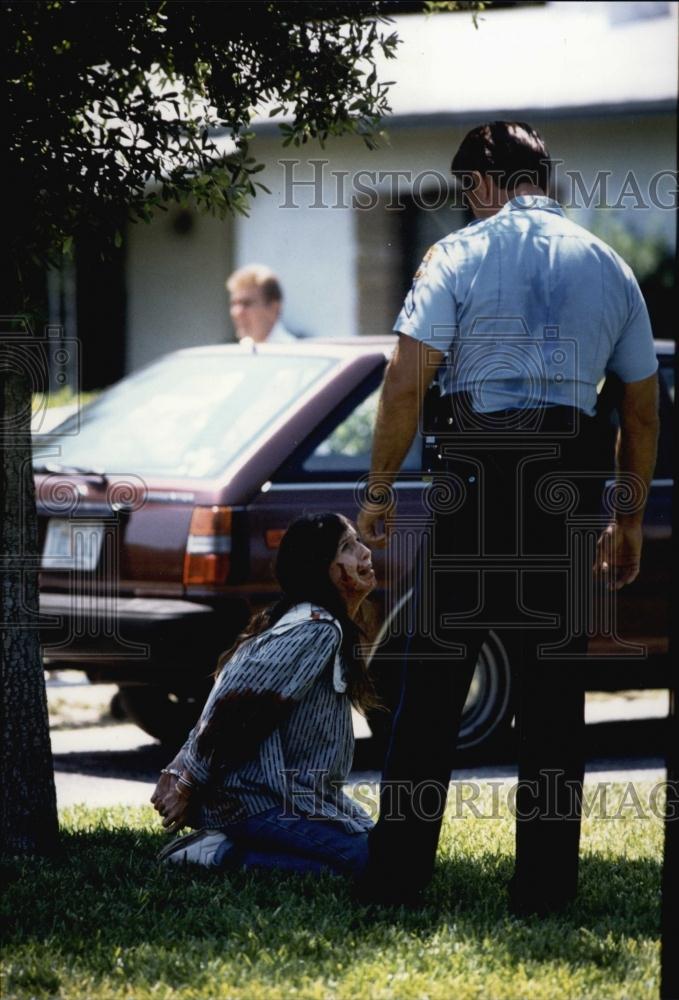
(305, 554)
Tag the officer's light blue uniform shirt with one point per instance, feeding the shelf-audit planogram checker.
(530, 309)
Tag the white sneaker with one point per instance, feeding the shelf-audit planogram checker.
(197, 848)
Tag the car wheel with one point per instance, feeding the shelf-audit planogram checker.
(165, 715)
(488, 710)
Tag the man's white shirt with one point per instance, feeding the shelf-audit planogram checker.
(279, 334)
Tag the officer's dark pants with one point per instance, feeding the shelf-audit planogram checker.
(516, 555)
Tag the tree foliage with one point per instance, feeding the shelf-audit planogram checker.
(115, 108)
(120, 106)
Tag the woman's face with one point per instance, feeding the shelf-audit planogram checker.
(351, 571)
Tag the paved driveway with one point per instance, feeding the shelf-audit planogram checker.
(102, 762)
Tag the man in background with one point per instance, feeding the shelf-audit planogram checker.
(256, 301)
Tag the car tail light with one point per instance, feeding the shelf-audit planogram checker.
(208, 549)
(274, 537)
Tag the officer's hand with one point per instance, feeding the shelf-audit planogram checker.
(618, 554)
(371, 529)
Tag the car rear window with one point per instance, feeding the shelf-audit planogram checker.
(347, 448)
(188, 415)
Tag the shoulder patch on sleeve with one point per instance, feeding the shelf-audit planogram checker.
(433, 249)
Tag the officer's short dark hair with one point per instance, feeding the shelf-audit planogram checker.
(510, 153)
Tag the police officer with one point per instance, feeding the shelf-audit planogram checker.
(518, 317)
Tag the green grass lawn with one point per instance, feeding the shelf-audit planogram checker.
(106, 921)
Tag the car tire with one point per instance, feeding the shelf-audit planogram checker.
(489, 708)
(168, 716)
(488, 711)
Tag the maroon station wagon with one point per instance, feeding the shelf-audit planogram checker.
(161, 505)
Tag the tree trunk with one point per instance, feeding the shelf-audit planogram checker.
(669, 960)
(28, 820)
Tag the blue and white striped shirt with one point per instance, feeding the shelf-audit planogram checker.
(277, 729)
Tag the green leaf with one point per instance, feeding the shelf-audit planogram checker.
(315, 62)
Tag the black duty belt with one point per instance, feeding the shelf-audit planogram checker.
(451, 419)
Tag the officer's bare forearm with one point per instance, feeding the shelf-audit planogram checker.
(409, 373)
(638, 440)
(637, 455)
(396, 425)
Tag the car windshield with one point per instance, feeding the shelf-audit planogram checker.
(188, 415)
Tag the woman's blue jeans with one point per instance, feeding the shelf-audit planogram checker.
(272, 840)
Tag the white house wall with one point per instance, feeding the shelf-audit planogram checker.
(317, 252)
(175, 285)
(339, 266)
(312, 250)
(642, 145)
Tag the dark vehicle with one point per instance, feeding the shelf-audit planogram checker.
(161, 504)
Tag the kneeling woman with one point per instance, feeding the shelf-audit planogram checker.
(261, 774)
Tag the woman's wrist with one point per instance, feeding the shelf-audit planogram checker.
(175, 772)
(184, 785)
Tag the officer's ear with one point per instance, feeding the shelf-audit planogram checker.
(476, 183)
(480, 192)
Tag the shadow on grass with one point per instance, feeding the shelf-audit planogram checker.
(139, 764)
(108, 881)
